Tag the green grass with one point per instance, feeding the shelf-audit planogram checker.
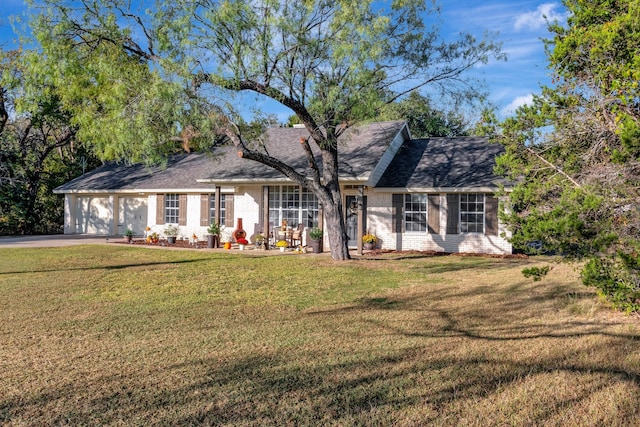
(114, 335)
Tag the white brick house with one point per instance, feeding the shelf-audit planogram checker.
(426, 194)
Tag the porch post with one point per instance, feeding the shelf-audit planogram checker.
(266, 228)
(217, 205)
(360, 233)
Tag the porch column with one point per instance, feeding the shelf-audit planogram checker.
(217, 206)
(360, 232)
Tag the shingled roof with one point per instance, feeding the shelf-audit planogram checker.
(359, 152)
(439, 163)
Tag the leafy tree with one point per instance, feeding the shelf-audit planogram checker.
(37, 151)
(423, 119)
(180, 70)
(575, 151)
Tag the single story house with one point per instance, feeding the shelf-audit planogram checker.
(413, 194)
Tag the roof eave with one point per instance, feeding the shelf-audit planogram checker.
(482, 189)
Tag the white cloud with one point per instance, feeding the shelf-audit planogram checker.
(517, 102)
(546, 12)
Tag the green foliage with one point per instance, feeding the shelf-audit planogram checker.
(38, 150)
(214, 229)
(574, 153)
(617, 278)
(536, 272)
(423, 119)
(315, 233)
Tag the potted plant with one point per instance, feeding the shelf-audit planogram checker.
(315, 234)
(213, 236)
(282, 244)
(259, 241)
(225, 237)
(128, 235)
(242, 242)
(171, 232)
(369, 241)
(152, 238)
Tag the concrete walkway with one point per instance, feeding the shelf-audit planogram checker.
(52, 241)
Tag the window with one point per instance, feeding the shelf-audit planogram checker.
(171, 208)
(212, 209)
(472, 213)
(309, 208)
(415, 212)
(292, 204)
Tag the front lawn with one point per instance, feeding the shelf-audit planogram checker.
(118, 335)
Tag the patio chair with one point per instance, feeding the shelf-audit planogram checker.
(296, 236)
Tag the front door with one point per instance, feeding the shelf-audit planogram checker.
(351, 218)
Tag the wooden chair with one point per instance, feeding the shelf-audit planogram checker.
(296, 236)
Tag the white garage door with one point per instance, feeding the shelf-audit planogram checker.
(132, 214)
(93, 215)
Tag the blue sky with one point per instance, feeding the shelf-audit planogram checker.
(520, 24)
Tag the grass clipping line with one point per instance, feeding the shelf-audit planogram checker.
(105, 335)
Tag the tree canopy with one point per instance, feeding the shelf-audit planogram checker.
(575, 151)
(425, 120)
(38, 150)
(141, 82)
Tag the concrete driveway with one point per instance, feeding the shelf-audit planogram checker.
(52, 241)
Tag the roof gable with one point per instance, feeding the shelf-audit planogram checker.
(462, 162)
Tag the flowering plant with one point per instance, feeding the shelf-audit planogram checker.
(282, 244)
(171, 230)
(242, 241)
(315, 233)
(369, 238)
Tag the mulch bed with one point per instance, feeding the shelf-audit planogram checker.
(187, 244)
(381, 252)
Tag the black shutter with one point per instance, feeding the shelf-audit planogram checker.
(397, 203)
(160, 209)
(204, 210)
(491, 215)
(433, 216)
(228, 204)
(182, 209)
(453, 213)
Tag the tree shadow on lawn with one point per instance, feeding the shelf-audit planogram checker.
(108, 267)
(357, 389)
(441, 366)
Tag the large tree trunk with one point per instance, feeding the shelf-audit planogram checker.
(336, 230)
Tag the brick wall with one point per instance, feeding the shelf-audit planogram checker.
(379, 219)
